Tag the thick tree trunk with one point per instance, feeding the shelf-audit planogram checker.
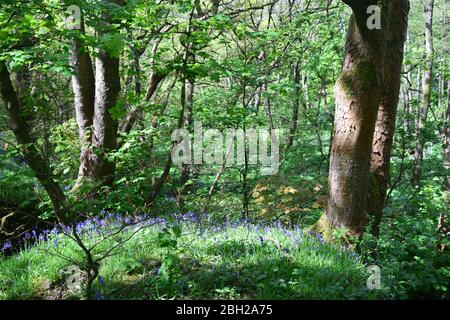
(83, 85)
(28, 148)
(426, 87)
(358, 92)
(107, 88)
(105, 125)
(387, 112)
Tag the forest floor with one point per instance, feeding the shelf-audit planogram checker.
(186, 258)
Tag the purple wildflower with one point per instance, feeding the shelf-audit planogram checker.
(99, 296)
(101, 281)
(7, 245)
(319, 237)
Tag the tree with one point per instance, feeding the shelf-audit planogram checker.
(83, 86)
(387, 112)
(357, 92)
(27, 144)
(426, 87)
(107, 89)
(96, 96)
(447, 136)
(296, 105)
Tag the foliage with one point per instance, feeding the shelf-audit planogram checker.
(252, 64)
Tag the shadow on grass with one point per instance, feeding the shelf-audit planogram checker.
(237, 270)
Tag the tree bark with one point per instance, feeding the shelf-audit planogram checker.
(387, 112)
(296, 106)
(447, 137)
(27, 144)
(357, 92)
(188, 96)
(426, 87)
(83, 85)
(105, 126)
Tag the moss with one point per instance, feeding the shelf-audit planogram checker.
(366, 75)
(333, 234)
(324, 227)
(363, 75)
(41, 284)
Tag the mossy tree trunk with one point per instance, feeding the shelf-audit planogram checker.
(357, 92)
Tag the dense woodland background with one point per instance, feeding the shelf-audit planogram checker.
(91, 92)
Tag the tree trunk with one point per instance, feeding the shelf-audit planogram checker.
(426, 87)
(268, 107)
(105, 125)
(296, 106)
(387, 112)
(188, 96)
(447, 137)
(357, 92)
(83, 85)
(407, 94)
(28, 148)
(153, 82)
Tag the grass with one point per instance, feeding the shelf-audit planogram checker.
(235, 260)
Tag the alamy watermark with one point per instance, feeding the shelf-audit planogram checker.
(374, 20)
(231, 147)
(74, 277)
(374, 279)
(73, 19)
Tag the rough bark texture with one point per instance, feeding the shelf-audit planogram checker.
(426, 87)
(107, 89)
(27, 145)
(83, 85)
(387, 112)
(357, 92)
